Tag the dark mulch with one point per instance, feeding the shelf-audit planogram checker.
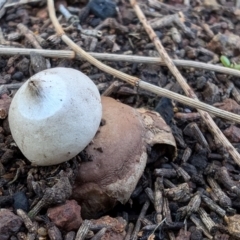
(210, 30)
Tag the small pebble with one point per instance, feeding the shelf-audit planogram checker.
(18, 76)
(9, 224)
(66, 216)
(165, 109)
(42, 232)
(20, 201)
(2, 63)
(103, 8)
(2, 81)
(7, 78)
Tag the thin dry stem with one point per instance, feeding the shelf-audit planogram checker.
(85, 55)
(29, 35)
(120, 57)
(188, 91)
(190, 102)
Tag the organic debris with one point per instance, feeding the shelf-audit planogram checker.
(191, 193)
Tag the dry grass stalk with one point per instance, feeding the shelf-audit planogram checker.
(120, 57)
(85, 55)
(188, 91)
(29, 35)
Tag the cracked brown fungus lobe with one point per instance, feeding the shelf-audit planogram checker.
(117, 158)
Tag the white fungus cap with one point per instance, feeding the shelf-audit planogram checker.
(54, 115)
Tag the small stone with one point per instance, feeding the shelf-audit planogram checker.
(66, 216)
(2, 81)
(42, 13)
(23, 65)
(211, 93)
(11, 70)
(2, 138)
(127, 16)
(201, 82)
(183, 234)
(7, 78)
(116, 227)
(9, 223)
(2, 63)
(6, 127)
(18, 76)
(70, 235)
(21, 201)
(42, 232)
(7, 156)
(103, 8)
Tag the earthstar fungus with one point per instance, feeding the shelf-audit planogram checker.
(117, 156)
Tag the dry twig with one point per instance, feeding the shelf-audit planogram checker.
(85, 55)
(29, 35)
(121, 57)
